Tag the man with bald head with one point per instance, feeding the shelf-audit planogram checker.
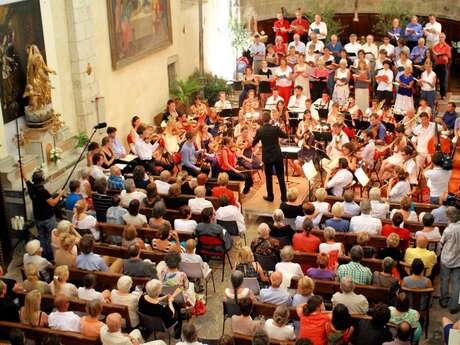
(356, 304)
(63, 319)
(275, 294)
(403, 335)
(111, 333)
(427, 256)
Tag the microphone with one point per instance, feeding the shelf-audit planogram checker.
(100, 125)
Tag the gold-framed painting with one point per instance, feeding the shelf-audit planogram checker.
(138, 28)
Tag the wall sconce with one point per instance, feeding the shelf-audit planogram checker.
(355, 17)
(184, 30)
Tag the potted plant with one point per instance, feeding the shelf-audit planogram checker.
(211, 86)
(387, 12)
(82, 139)
(184, 90)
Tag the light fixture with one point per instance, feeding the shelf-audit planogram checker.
(355, 17)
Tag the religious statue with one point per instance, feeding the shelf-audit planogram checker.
(38, 88)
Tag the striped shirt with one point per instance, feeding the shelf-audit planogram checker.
(357, 272)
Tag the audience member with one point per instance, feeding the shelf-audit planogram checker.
(341, 328)
(158, 212)
(245, 263)
(322, 272)
(354, 269)
(421, 252)
(87, 260)
(230, 213)
(222, 189)
(385, 278)
(350, 207)
(237, 293)
(209, 228)
(90, 324)
(87, 292)
(277, 327)
(189, 335)
(135, 266)
(59, 285)
(115, 180)
(403, 335)
(31, 314)
(130, 193)
(392, 249)
(337, 222)
(122, 295)
(365, 222)
(84, 221)
(264, 244)
(274, 294)
(288, 268)
(401, 312)
(32, 281)
(133, 217)
(191, 257)
(101, 200)
(129, 237)
(374, 331)
(33, 255)
(244, 324)
(74, 195)
(151, 197)
(356, 304)
(314, 322)
(184, 224)
(363, 239)
(305, 241)
(331, 247)
(63, 319)
(199, 203)
(379, 208)
(65, 255)
(305, 287)
(279, 229)
(397, 220)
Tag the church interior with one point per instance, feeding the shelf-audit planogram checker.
(229, 172)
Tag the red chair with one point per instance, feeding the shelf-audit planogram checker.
(211, 247)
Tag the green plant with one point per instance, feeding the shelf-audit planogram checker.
(327, 11)
(82, 139)
(387, 12)
(211, 86)
(240, 36)
(184, 90)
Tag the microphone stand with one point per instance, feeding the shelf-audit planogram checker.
(81, 155)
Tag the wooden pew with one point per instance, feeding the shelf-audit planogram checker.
(241, 339)
(121, 252)
(309, 259)
(80, 306)
(67, 338)
(144, 233)
(105, 280)
(349, 239)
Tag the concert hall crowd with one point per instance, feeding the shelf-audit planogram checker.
(150, 219)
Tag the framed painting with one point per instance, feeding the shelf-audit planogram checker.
(137, 28)
(20, 26)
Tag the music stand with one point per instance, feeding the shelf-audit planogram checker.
(362, 125)
(398, 117)
(319, 156)
(323, 136)
(323, 113)
(226, 112)
(389, 126)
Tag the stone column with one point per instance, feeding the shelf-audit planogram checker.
(82, 54)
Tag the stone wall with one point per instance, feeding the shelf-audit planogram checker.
(265, 9)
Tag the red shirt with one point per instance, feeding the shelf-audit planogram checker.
(282, 24)
(315, 327)
(443, 49)
(304, 243)
(303, 23)
(231, 159)
(403, 234)
(280, 49)
(222, 190)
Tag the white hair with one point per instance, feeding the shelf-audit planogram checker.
(153, 288)
(124, 283)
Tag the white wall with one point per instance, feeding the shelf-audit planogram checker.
(141, 88)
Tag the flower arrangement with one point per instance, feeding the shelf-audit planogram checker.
(55, 155)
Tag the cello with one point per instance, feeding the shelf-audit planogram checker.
(454, 182)
(438, 142)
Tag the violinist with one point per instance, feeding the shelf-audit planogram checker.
(348, 154)
(399, 187)
(170, 138)
(387, 115)
(198, 109)
(339, 138)
(368, 152)
(423, 133)
(203, 138)
(222, 103)
(307, 124)
(409, 164)
(377, 129)
(340, 179)
(242, 122)
(352, 108)
(409, 122)
(145, 149)
(306, 153)
(183, 123)
(396, 147)
(280, 116)
(189, 156)
(213, 122)
(170, 111)
(246, 153)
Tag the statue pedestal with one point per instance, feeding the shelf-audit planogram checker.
(40, 117)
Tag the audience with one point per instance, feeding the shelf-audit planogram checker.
(429, 231)
(354, 269)
(129, 237)
(385, 278)
(337, 222)
(356, 304)
(405, 210)
(421, 252)
(59, 285)
(87, 292)
(189, 335)
(133, 217)
(31, 314)
(288, 268)
(305, 241)
(101, 200)
(244, 324)
(403, 335)
(230, 213)
(163, 183)
(365, 222)
(237, 293)
(404, 235)
(74, 195)
(134, 266)
(184, 224)
(87, 260)
(122, 295)
(63, 319)
(401, 312)
(65, 255)
(447, 326)
(90, 324)
(263, 244)
(115, 180)
(350, 207)
(191, 257)
(209, 228)
(363, 239)
(222, 189)
(322, 272)
(314, 322)
(331, 247)
(305, 287)
(158, 212)
(275, 294)
(379, 208)
(374, 331)
(33, 256)
(115, 213)
(392, 249)
(341, 328)
(32, 281)
(277, 327)
(84, 221)
(168, 240)
(279, 229)
(245, 263)
(152, 196)
(130, 193)
(199, 203)
(10, 311)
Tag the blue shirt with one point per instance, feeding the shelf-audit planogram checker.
(258, 49)
(417, 34)
(439, 215)
(188, 155)
(381, 131)
(274, 296)
(115, 215)
(115, 182)
(406, 80)
(418, 54)
(118, 148)
(340, 225)
(335, 50)
(71, 200)
(449, 119)
(91, 262)
(396, 32)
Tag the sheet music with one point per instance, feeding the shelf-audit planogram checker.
(290, 149)
(363, 179)
(121, 166)
(129, 157)
(309, 170)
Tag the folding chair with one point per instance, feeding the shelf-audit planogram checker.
(193, 271)
(213, 248)
(232, 227)
(268, 262)
(251, 284)
(230, 309)
(154, 324)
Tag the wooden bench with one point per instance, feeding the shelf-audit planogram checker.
(144, 233)
(122, 252)
(241, 339)
(80, 306)
(105, 280)
(67, 338)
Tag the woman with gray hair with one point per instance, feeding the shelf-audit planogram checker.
(130, 193)
(279, 229)
(385, 278)
(263, 244)
(150, 304)
(122, 295)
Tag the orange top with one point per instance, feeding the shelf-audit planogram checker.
(315, 327)
(90, 327)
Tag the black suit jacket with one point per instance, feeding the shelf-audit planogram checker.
(269, 136)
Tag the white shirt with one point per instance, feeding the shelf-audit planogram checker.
(319, 46)
(97, 172)
(125, 198)
(383, 85)
(219, 105)
(279, 333)
(297, 104)
(289, 268)
(351, 208)
(371, 51)
(64, 321)
(115, 338)
(272, 101)
(429, 77)
(321, 206)
(333, 151)
(390, 49)
(137, 220)
(199, 204)
(131, 300)
(423, 136)
(284, 76)
(322, 27)
(185, 225)
(399, 191)
(438, 181)
(145, 150)
(432, 37)
(411, 167)
(231, 213)
(379, 209)
(298, 223)
(366, 223)
(341, 179)
(299, 46)
(330, 247)
(89, 222)
(89, 294)
(352, 48)
(162, 187)
(368, 153)
(40, 262)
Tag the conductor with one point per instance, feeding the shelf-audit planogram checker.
(271, 154)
